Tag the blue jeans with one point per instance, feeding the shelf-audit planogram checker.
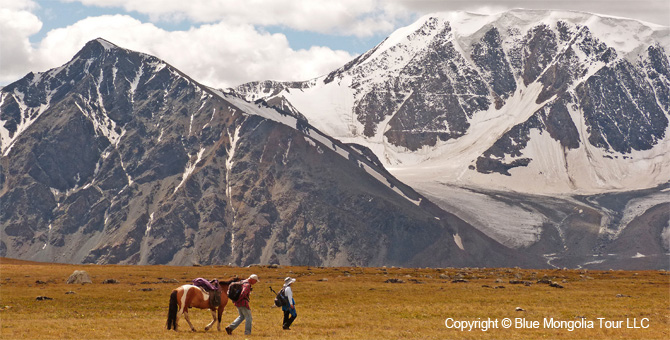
(245, 314)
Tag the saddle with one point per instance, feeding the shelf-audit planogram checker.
(211, 288)
(215, 298)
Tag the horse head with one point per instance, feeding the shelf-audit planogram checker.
(226, 283)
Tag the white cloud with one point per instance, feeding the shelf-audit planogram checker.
(362, 17)
(343, 17)
(487, 9)
(18, 4)
(16, 25)
(219, 54)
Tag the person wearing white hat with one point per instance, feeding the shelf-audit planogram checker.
(243, 307)
(289, 310)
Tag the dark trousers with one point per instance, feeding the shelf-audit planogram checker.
(289, 316)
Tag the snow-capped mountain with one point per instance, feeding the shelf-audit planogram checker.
(546, 130)
(117, 157)
(532, 101)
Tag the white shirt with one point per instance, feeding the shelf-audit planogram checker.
(289, 294)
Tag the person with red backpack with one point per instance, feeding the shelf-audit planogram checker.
(243, 308)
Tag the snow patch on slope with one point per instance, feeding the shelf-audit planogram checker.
(101, 122)
(458, 241)
(28, 116)
(513, 226)
(665, 237)
(229, 160)
(190, 167)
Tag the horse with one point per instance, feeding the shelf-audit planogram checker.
(189, 296)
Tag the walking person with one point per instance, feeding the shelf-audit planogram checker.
(289, 309)
(243, 307)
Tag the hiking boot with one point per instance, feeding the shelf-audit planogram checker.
(229, 331)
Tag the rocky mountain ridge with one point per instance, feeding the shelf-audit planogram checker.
(117, 157)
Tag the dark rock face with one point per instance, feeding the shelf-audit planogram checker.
(431, 98)
(117, 157)
(620, 107)
(554, 119)
(539, 49)
(444, 94)
(621, 110)
(489, 56)
(268, 88)
(657, 68)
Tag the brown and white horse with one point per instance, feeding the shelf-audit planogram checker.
(190, 296)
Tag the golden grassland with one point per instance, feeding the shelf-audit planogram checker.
(336, 303)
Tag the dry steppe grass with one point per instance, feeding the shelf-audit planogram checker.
(334, 303)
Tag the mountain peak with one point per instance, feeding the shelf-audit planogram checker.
(615, 31)
(106, 44)
(95, 48)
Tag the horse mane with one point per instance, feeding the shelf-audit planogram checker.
(225, 283)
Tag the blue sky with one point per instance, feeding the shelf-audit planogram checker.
(227, 42)
(55, 14)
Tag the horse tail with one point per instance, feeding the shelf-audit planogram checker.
(172, 311)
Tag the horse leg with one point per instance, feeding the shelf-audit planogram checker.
(220, 312)
(188, 319)
(187, 303)
(213, 321)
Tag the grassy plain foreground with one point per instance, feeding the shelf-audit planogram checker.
(337, 303)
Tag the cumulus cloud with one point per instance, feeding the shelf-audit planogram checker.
(346, 17)
(655, 11)
(16, 25)
(18, 4)
(363, 17)
(219, 54)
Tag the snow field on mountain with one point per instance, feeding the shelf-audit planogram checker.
(553, 169)
(513, 226)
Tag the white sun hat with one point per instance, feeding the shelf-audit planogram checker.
(288, 280)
